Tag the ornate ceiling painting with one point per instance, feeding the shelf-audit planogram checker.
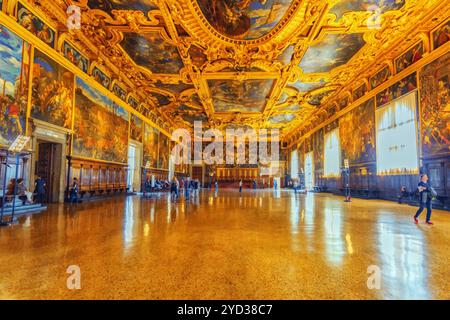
(287, 64)
(240, 96)
(244, 19)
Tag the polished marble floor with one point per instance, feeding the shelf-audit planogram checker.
(258, 245)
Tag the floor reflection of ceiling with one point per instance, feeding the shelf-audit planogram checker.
(264, 63)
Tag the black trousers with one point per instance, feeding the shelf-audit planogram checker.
(422, 207)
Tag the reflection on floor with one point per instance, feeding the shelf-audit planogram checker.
(259, 245)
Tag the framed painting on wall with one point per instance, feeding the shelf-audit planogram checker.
(74, 56)
(52, 92)
(35, 25)
(409, 57)
(441, 35)
(14, 80)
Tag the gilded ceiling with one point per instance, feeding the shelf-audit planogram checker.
(263, 63)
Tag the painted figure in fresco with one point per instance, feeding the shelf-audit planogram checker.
(442, 36)
(230, 16)
(13, 113)
(35, 26)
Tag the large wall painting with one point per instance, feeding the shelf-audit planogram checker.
(36, 26)
(152, 52)
(93, 139)
(164, 152)
(409, 58)
(52, 92)
(358, 141)
(240, 96)
(378, 6)
(441, 36)
(318, 148)
(74, 56)
(136, 128)
(14, 73)
(435, 107)
(397, 90)
(151, 137)
(244, 19)
(333, 51)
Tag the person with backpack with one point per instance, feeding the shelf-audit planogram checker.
(426, 194)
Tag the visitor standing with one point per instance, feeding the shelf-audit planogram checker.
(74, 191)
(240, 186)
(39, 189)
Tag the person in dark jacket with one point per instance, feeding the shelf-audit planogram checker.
(74, 191)
(39, 189)
(425, 198)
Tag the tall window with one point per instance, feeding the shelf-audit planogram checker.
(131, 165)
(294, 164)
(397, 137)
(309, 171)
(332, 154)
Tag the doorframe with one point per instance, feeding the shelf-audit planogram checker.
(45, 132)
(138, 164)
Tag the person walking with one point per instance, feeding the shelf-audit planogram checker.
(425, 198)
(217, 186)
(240, 186)
(174, 186)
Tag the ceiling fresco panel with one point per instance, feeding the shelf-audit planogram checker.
(240, 96)
(152, 52)
(244, 19)
(380, 6)
(109, 5)
(333, 51)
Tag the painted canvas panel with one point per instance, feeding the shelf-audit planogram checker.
(333, 51)
(136, 128)
(175, 88)
(380, 78)
(357, 134)
(244, 19)
(14, 73)
(152, 52)
(164, 152)
(52, 92)
(36, 26)
(282, 119)
(74, 56)
(378, 6)
(109, 5)
(318, 147)
(101, 77)
(308, 86)
(359, 92)
(286, 56)
(344, 102)
(316, 99)
(198, 56)
(442, 35)
(399, 89)
(151, 137)
(240, 96)
(119, 92)
(161, 99)
(435, 107)
(93, 139)
(409, 58)
(133, 102)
